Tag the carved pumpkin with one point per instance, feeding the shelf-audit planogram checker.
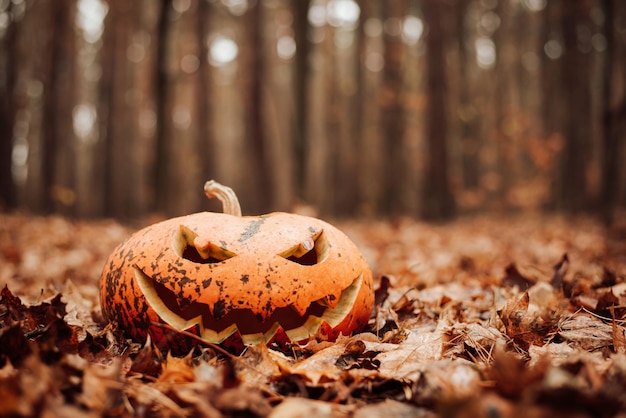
(236, 279)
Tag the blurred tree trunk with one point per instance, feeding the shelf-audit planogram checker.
(343, 116)
(255, 71)
(371, 153)
(438, 203)
(392, 108)
(468, 113)
(551, 105)
(160, 74)
(59, 136)
(278, 113)
(318, 187)
(206, 141)
(571, 184)
(47, 104)
(8, 64)
(506, 111)
(183, 180)
(613, 111)
(300, 10)
(127, 107)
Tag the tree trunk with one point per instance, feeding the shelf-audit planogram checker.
(438, 203)
(8, 67)
(392, 112)
(161, 90)
(256, 70)
(571, 183)
(613, 112)
(301, 74)
(468, 113)
(57, 136)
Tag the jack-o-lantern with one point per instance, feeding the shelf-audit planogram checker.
(235, 279)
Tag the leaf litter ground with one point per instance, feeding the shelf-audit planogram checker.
(494, 317)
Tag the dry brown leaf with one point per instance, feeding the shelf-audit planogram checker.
(390, 408)
(472, 340)
(406, 361)
(176, 370)
(79, 308)
(260, 365)
(444, 380)
(150, 398)
(306, 408)
(320, 367)
(586, 331)
(242, 401)
(528, 327)
(619, 340)
(102, 386)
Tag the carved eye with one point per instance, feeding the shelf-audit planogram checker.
(313, 250)
(187, 245)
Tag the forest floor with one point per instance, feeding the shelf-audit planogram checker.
(481, 317)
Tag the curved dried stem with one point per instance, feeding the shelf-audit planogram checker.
(226, 195)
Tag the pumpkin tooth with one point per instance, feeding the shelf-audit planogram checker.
(306, 330)
(217, 337)
(260, 337)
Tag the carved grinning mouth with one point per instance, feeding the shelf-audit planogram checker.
(215, 328)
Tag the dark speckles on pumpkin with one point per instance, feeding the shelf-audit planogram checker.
(184, 280)
(245, 279)
(206, 283)
(268, 284)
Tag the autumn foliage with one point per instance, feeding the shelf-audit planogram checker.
(480, 317)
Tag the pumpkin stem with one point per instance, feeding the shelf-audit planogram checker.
(230, 203)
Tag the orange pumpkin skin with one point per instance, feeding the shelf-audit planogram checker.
(274, 276)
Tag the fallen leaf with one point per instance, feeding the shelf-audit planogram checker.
(586, 331)
(306, 408)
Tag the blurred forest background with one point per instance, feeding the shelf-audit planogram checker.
(427, 108)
